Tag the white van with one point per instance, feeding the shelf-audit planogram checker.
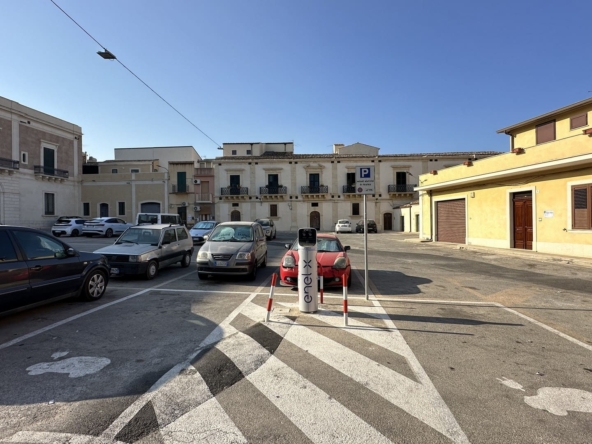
(158, 218)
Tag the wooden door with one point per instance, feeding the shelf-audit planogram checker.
(387, 219)
(235, 216)
(522, 206)
(315, 220)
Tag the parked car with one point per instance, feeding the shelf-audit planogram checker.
(158, 218)
(37, 268)
(332, 261)
(233, 249)
(105, 226)
(145, 249)
(68, 227)
(201, 229)
(343, 226)
(65, 218)
(268, 227)
(371, 226)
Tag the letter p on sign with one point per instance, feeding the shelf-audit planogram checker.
(365, 173)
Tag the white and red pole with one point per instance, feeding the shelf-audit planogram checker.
(270, 300)
(344, 301)
(321, 289)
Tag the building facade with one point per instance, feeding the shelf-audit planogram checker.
(537, 196)
(40, 166)
(267, 180)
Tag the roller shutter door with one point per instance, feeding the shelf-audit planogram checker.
(451, 221)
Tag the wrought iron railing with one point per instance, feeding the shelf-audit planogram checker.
(40, 169)
(349, 189)
(9, 163)
(204, 172)
(273, 190)
(234, 191)
(203, 197)
(323, 189)
(405, 188)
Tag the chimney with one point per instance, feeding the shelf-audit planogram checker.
(336, 147)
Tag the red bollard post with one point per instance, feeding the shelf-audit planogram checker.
(270, 300)
(345, 302)
(321, 289)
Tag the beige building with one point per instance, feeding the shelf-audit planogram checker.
(537, 196)
(40, 166)
(267, 180)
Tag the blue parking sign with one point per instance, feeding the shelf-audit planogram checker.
(365, 179)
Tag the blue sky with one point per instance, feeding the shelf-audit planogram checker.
(407, 77)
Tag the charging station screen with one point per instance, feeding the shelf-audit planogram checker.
(307, 237)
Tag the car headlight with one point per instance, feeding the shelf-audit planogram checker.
(244, 256)
(202, 255)
(340, 263)
(289, 262)
(134, 258)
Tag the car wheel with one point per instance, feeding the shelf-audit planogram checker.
(202, 276)
(253, 274)
(186, 260)
(349, 280)
(109, 232)
(95, 285)
(75, 233)
(151, 270)
(264, 263)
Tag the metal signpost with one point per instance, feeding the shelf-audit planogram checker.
(307, 270)
(365, 185)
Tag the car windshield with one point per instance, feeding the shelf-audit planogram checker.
(323, 245)
(140, 236)
(264, 223)
(232, 233)
(205, 225)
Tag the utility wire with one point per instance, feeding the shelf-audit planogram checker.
(132, 73)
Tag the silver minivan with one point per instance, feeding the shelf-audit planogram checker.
(233, 249)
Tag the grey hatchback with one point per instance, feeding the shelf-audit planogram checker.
(233, 249)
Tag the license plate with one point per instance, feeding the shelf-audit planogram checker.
(114, 270)
(221, 264)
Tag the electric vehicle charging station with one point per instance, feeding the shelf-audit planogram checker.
(307, 270)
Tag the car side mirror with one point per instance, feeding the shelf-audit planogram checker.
(206, 237)
(70, 252)
(347, 247)
(287, 246)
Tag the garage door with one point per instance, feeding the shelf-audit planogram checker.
(451, 221)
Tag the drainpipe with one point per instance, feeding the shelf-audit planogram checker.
(431, 216)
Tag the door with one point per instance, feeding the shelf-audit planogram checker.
(235, 216)
(171, 251)
(315, 220)
(234, 184)
(387, 220)
(150, 207)
(314, 183)
(48, 161)
(272, 183)
(182, 212)
(14, 276)
(522, 206)
(451, 221)
(181, 182)
(104, 210)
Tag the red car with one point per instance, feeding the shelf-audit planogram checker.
(332, 260)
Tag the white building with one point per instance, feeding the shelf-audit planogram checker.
(267, 180)
(40, 166)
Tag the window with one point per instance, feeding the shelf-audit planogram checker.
(355, 209)
(169, 237)
(578, 121)
(49, 207)
(37, 246)
(24, 157)
(113, 170)
(248, 152)
(86, 209)
(181, 182)
(314, 204)
(581, 196)
(273, 210)
(401, 178)
(121, 208)
(233, 152)
(134, 170)
(7, 252)
(182, 234)
(545, 132)
(350, 179)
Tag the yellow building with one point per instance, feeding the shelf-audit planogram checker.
(538, 196)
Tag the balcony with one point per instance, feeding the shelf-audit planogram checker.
(50, 174)
(349, 189)
(234, 193)
(203, 172)
(179, 189)
(273, 193)
(204, 198)
(401, 189)
(314, 192)
(8, 165)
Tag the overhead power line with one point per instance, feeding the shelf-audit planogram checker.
(108, 55)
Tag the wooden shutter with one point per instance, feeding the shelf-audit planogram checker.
(578, 121)
(545, 132)
(273, 210)
(581, 207)
(355, 209)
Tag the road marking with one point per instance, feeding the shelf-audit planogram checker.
(45, 437)
(509, 383)
(75, 367)
(560, 400)
(86, 313)
(420, 400)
